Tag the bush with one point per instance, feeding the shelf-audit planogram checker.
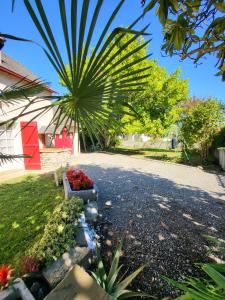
(60, 172)
(200, 122)
(218, 140)
(29, 264)
(59, 233)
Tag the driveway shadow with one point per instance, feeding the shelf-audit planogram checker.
(162, 224)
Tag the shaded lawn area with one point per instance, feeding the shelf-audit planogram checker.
(168, 155)
(25, 204)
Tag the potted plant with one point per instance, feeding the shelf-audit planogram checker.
(12, 289)
(58, 175)
(30, 270)
(78, 184)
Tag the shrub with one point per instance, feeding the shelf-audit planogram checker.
(60, 172)
(29, 264)
(59, 232)
(218, 140)
(200, 122)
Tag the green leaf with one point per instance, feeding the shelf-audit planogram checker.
(218, 278)
(124, 283)
(113, 272)
(220, 6)
(91, 79)
(150, 5)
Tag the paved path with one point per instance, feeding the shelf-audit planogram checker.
(161, 211)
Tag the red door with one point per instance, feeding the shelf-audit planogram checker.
(64, 140)
(29, 134)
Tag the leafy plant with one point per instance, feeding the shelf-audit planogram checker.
(219, 243)
(210, 288)
(115, 287)
(192, 29)
(199, 123)
(59, 173)
(59, 233)
(29, 264)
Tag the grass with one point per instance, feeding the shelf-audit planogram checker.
(167, 155)
(25, 204)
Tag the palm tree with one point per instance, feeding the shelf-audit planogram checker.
(92, 82)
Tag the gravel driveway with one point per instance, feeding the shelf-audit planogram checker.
(161, 211)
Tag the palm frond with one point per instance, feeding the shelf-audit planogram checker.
(13, 37)
(5, 158)
(93, 80)
(19, 91)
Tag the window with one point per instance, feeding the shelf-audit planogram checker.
(6, 140)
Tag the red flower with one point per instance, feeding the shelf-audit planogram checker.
(79, 180)
(5, 275)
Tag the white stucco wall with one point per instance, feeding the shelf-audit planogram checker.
(10, 111)
(76, 144)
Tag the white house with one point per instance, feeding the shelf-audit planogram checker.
(34, 138)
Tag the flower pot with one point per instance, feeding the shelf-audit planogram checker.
(86, 195)
(37, 284)
(18, 291)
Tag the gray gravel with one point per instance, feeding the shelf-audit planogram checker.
(161, 211)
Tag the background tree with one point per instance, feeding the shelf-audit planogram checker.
(199, 123)
(159, 105)
(192, 28)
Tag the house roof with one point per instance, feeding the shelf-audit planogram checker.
(16, 69)
(50, 129)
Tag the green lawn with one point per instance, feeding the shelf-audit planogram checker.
(168, 155)
(25, 205)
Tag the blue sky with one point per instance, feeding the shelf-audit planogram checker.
(202, 81)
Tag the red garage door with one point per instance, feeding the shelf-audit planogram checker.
(64, 140)
(29, 134)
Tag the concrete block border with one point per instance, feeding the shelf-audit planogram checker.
(17, 291)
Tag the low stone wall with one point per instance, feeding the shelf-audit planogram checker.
(52, 158)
